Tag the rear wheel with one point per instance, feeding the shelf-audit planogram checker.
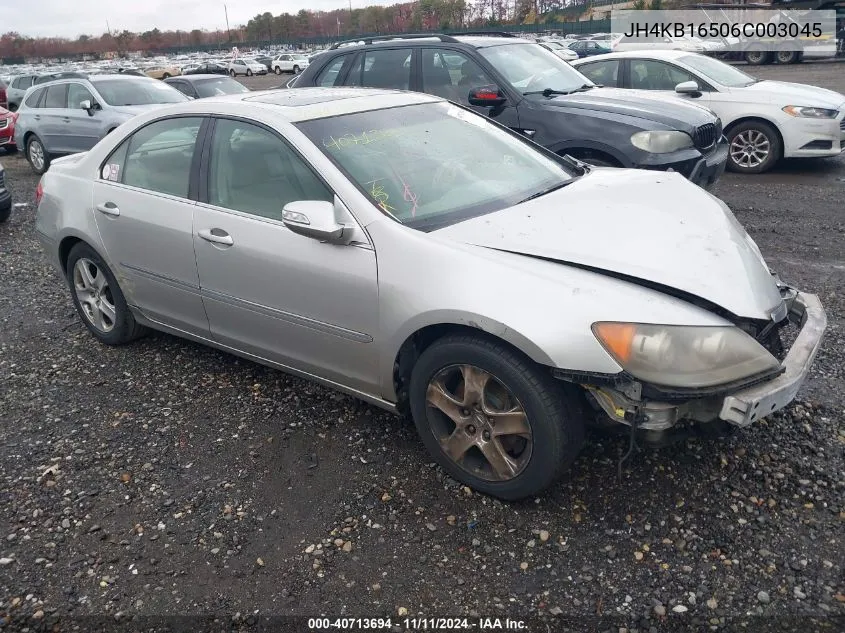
(278, 70)
(296, 70)
(753, 147)
(787, 57)
(492, 418)
(5, 213)
(166, 76)
(233, 73)
(37, 156)
(758, 57)
(98, 299)
(249, 72)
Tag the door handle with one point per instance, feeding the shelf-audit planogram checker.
(37, 117)
(216, 236)
(109, 208)
(66, 119)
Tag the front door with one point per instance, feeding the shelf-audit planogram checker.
(145, 218)
(662, 77)
(83, 130)
(268, 291)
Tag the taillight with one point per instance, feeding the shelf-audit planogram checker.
(39, 193)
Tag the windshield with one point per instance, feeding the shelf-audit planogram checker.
(530, 67)
(124, 92)
(718, 72)
(222, 86)
(434, 164)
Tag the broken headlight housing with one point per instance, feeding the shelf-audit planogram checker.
(684, 356)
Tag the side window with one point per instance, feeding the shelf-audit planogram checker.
(183, 87)
(605, 73)
(33, 99)
(56, 96)
(157, 157)
(328, 76)
(76, 94)
(647, 74)
(390, 68)
(450, 74)
(254, 171)
(23, 83)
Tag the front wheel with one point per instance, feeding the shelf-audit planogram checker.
(232, 73)
(787, 57)
(249, 72)
(493, 419)
(5, 214)
(758, 57)
(98, 299)
(753, 147)
(278, 70)
(37, 156)
(296, 70)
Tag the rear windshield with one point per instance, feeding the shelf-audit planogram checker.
(222, 86)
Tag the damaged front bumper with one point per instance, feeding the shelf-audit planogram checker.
(746, 405)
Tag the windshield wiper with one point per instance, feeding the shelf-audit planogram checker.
(548, 92)
(543, 192)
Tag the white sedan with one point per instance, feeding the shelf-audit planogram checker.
(764, 120)
(565, 53)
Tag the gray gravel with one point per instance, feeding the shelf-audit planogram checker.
(166, 478)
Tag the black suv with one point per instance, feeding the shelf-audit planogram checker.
(522, 85)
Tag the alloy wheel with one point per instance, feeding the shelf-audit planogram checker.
(36, 155)
(750, 149)
(94, 295)
(479, 423)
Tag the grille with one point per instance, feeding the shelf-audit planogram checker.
(2, 180)
(705, 136)
(842, 125)
(4, 124)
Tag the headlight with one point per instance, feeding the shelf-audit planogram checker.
(684, 356)
(811, 113)
(661, 141)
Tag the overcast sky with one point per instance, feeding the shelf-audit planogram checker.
(70, 18)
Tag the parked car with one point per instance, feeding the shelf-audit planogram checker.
(4, 102)
(526, 87)
(566, 54)
(202, 86)
(239, 222)
(5, 198)
(43, 79)
(209, 68)
(71, 115)
(266, 60)
(289, 63)
(17, 88)
(162, 72)
(7, 130)
(245, 66)
(655, 42)
(135, 72)
(764, 120)
(588, 48)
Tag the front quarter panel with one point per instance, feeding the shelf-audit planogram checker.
(543, 308)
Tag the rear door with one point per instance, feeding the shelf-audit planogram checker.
(54, 120)
(144, 205)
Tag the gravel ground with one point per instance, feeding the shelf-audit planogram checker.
(165, 479)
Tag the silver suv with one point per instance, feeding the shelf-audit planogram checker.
(71, 115)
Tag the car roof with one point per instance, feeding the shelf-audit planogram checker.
(476, 41)
(661, 54)
(304, 104)
(196, 78)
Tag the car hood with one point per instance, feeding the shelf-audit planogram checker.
(649, 227)
(800, 94)
(135, 110)
(672, 113)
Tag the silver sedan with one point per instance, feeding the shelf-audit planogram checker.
(425, 259)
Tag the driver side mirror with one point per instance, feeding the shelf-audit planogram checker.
(87, 106)
(316, 219)
(688, 88)
(489, 96)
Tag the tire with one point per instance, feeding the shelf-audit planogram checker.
(11, 148)
(548, 409)
(233, 73)
(5, 214)
(787, 57)
(741, 135)
(278, 70)
(249, 72)
(37, 156)
(13, 107)
(296, 70)
(123, 329)
(757, 58)
(166, 76)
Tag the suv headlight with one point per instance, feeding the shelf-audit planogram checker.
(661, 141)
(684, 356)
(810, 113)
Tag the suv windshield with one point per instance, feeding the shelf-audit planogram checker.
(717, 71)
(532, 68)
(434, 164)
(124, 92)
(222, 86)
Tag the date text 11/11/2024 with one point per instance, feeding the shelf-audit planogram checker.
(417, 624)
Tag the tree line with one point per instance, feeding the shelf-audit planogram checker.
(287, 27)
